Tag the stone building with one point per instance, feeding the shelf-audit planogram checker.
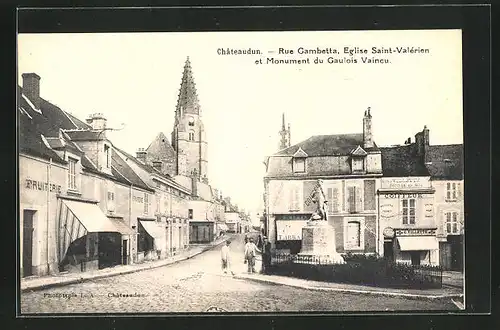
(74, 205)
(350, 168)
(421, 204)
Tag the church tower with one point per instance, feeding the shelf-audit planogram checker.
(285, 135)
(188, 135)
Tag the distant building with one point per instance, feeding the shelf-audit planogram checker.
(349, 166)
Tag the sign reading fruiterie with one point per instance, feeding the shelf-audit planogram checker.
(406, 183)
(44, 186)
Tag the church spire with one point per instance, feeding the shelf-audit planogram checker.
(188, 98)
(285, 134)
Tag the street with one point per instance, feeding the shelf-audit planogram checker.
(198, 285)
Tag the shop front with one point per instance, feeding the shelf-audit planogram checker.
(411, 246)
(87, 239)
(201, 231)
(289, 232)
(151, 241)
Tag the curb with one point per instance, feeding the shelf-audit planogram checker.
(369, 292)
(83, 279)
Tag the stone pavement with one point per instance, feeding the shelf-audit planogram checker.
(431, 294)
(43, 282)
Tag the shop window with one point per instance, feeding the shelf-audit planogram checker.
(452, 227)
(408, 214)
(72, 173)
(353, 235)
(299, 165)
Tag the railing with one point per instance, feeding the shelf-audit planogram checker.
(374, 271)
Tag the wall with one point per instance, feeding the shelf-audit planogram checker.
(43, 200)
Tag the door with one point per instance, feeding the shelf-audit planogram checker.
(456, 252)
(28, 242)
(388, 251)
(415, 257)
(124, 252)
(180, 238)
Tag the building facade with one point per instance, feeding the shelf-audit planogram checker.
(349, 168)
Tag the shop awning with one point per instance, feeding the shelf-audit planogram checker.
(122, 227)
(290, 230)
(156, 231)
(418, 243)
(76, 219)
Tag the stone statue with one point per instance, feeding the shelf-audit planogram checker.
(321, 203)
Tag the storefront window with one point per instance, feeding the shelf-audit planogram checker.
(408, 211)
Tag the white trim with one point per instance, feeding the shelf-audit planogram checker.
(71, 120)
(45, 141)
(22, 110)
(31, 104)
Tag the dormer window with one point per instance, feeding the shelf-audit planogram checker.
(191, 121)
(299, 161)
(358, 156)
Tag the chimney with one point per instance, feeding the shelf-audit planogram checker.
(141, 155)
(157, 165)
(97, 121)
(367, 130)
(422, 141)
(31, 88)
(194, 185)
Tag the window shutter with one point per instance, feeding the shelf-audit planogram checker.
(359, 200)
(335, 200)
(351, 199)
(296, 197)
(330, 199)
(369, 192)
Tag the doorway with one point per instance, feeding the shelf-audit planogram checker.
(109, 249)
(388, 251)
(28, 229)
(415, 258)
(180, 238)
(124, 252)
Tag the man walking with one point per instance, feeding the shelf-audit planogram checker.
(250, 253)
(225, 257)
(266, 255)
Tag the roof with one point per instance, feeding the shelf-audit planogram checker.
(84, 135)
(445, 162)
(327, 145)
(188, 98)
(160, 148)
(402, 161)
(120, 168)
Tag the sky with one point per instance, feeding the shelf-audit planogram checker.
(134, 78)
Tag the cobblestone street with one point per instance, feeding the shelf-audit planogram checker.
(196, 285)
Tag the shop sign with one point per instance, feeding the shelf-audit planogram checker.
(138, 199)
(403, 196)
(406, 183)
(290, 230)
(415, 231)
(43, 186)
(388, 232)
(429, 210)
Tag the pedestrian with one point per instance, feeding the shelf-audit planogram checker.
(250, 253)
(246, 239)
(225, 256)
(266, 255)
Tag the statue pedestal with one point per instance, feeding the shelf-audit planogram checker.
(318, 240)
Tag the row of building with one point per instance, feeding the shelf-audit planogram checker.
(402, 202)
(85, 203)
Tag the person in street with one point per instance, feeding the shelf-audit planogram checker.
(246, 239)
(266, 255)
(250, 253)
(225, 257)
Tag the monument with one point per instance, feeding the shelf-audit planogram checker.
(318, 237)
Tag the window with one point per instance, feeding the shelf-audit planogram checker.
(357, 165)
(299, 165)
(146, 203)
(333, 200)
(353, 235)
(408, 211)
(294, 198)
(452, 191)
(108, 159)
(191, 135)
(72, 173)
(190, 213)
(369, 191)
(158, 184)
(191, 121)
(111, 201)
(353, 199)
(452, 223)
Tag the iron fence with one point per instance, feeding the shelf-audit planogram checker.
(373, 271)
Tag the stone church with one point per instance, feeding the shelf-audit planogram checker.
(184, 158)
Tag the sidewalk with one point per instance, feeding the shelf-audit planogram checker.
(453, 279)
(444, 293)
(43, 282)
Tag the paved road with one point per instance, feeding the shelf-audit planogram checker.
(198, 284)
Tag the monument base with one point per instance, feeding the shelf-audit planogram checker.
(318, 240)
